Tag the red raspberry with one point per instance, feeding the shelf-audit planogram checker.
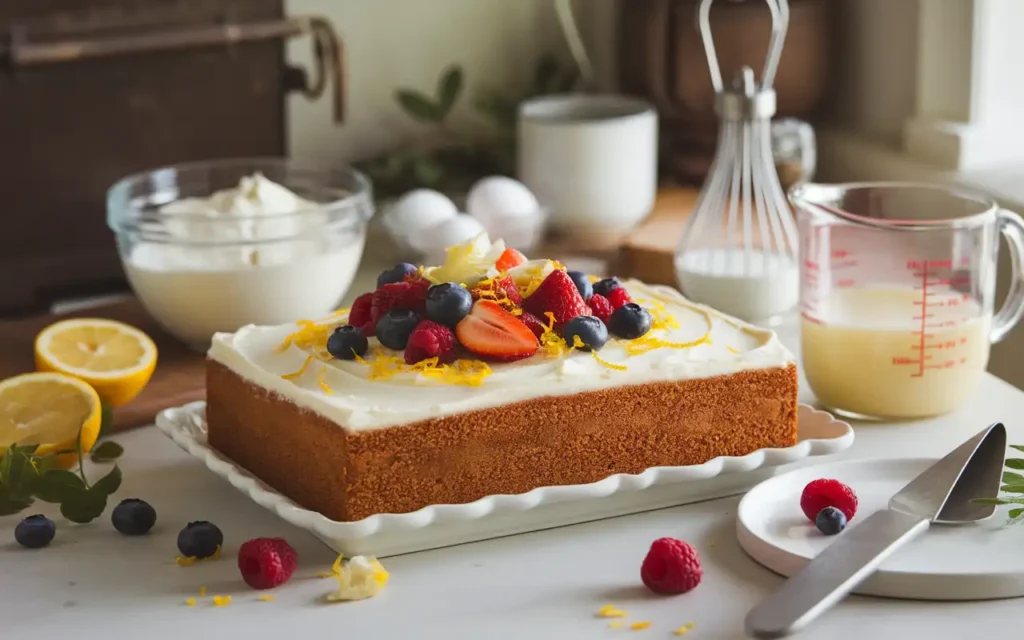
(535, 324)
(428, 340)
(618, 297)
(671, 567)
(360, 315)
(266, 563)
(503, 287)
(826, 492)
(601, 307)
(399, 295)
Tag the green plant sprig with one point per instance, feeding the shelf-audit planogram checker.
(1013, 488)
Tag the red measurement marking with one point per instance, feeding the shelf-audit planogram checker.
(963, 360)
(939, 264)
(811, 318)
(811, 264)
(924, 313)
(843, 283)
(904, 360)
(965, 261)
(840, 253)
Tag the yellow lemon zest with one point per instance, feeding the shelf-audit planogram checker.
(616, 624)
(186, 562)
(611, 611)
(682, 631)
(661, 319)
(221, 601)
(610, 365)
(323, 384)
(295, 374)
(312, 336)
(731, 349)
(266, 598)
(551, 343)
(488, 289)
(340, 312)
(191, 602)
(384, 365)
(336, 567)
(202, 591)
(639, 626)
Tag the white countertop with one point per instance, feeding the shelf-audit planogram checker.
(93, 582)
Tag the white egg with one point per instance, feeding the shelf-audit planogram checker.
(453, 231)
(498, 197)
(417, 212)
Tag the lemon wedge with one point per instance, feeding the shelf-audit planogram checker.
(49, 410)
(114, 358)
(469, 262)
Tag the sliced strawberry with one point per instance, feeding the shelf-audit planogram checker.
(495, 334)
(503, 287)
(535, 324)
(361, 314)
(399, 295)
(559, 295)
(509, 259)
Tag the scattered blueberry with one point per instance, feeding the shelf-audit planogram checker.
(199, 539)
(630, 321)
(591, 331)
(133, 517)
(582, 283)
(448, 303)
(830, 521)
(347, 342)
(604, 287)
(35, 531)
(395, 326)
(395, 274)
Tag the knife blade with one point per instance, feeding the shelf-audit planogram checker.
(942, 493)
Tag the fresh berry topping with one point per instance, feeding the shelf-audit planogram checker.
(411, 296)
(600, 307)
(347, 342)
(199, 539)
(582, 283)
(498, 289)
(590, 330)
(618, 297)
(671, 567)
(448, 303)
(430, 340)
(35, 532)
(493, 333)
(630, 321)
(830, 521)
(266, 563)
(509, 259)
(558, 295)
(825, 492)
(394, 329)
(533, 323)
(395, 274)
(133, 517)
(361, 316)
(604, 287)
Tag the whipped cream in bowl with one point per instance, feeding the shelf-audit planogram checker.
(214, 246)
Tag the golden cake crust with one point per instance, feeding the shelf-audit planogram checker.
(560, 440)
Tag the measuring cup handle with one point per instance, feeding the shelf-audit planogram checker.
(1012, 227)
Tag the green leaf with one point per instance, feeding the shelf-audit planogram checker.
(109, 483)
(86, 508)
(12, 504)
(449, 85)
(428, 172)
(59, 486)
(107, 452)
(1015, 463)
(1010, 477)
(27, 449)
(5, 464)
(997, 501)
(1012, 488)
(500, 109)
(106, 419)
(1015, 513)
(419, 106)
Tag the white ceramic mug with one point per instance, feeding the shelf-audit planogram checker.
(591, 158)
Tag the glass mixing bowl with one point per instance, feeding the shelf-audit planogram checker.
(216, 245)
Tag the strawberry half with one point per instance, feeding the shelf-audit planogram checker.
(495, 334)
(361, 314)
(509, 259)
(536, 326)
(559, 295)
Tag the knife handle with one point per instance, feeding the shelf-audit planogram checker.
(834, 573)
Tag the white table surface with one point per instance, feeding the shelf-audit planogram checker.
(92, 582)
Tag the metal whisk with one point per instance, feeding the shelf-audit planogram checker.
(739, 251)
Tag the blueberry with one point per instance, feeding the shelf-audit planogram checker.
(395, 274)
(604, 287)
(830, 521)
(630, 321)
(395, 326)
(199, 539)
(448, 303)
(347, 342)
(582, 283)
(133, 517)
(35, 531)
(591, 331)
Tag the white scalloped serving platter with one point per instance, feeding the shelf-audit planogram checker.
(819, 434)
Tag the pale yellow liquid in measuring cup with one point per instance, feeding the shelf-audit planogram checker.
(863, 357)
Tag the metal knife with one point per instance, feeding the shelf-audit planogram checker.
(943, 493)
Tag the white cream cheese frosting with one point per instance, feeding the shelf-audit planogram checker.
(341, 391)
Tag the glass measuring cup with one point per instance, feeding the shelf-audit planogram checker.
(897, 292)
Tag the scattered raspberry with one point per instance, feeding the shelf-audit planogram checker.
(826, 492)
(266, 563)
(618, 297)
(535, 324)
(503, 287)
(411, 296)
(429, 340)
(671, 567)
(559, 295)
(361, 316)
(511, 258)
(601, 308)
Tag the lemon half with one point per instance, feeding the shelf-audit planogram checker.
(114, 358)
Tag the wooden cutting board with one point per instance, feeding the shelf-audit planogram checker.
(648, 253)
(180, 372)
